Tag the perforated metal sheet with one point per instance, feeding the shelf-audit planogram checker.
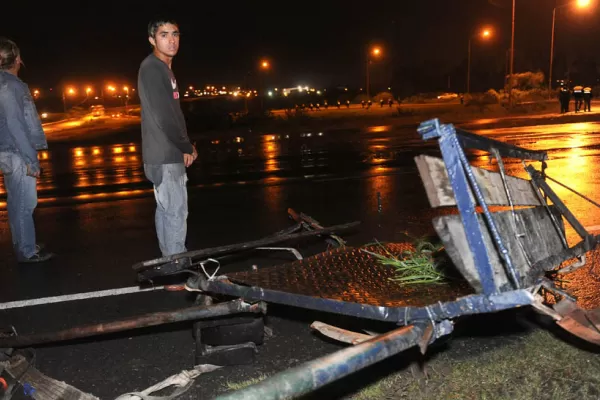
(350, 275)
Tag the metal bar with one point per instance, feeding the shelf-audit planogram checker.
(153, 319)
(576, 251)
(492, 228)
(314, 224)
(574, 191)
(473, 141)
(317, 373)
(292, 250)
(457, 174)
(515, 219)
(475, 304)
(432, 129)
(544, 202)
(217, 251)
(77, 296)
(535, 176)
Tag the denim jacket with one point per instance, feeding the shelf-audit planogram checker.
(20, 127)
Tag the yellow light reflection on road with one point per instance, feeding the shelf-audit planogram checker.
(271, 151)
(380, 128)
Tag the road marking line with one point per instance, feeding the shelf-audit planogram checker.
(77, 296)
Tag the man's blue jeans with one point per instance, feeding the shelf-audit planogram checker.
(21, 195)
(170, 192)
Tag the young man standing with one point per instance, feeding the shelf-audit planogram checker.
(21, 136)
(166, 148)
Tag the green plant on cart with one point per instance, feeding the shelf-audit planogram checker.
(411, 267)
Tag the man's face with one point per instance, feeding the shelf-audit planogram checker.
(166, 40)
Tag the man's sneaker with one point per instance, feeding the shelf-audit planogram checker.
(39, 256)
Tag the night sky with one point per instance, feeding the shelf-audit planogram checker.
(314, 43)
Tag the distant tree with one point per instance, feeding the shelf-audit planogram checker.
(528, 80)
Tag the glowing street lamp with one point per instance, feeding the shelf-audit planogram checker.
(70, 91)
(580, 4)
(484, 34)
(265, 64)
(375, 52)
(126, 90)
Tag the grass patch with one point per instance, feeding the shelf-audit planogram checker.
(246, 383)
(538, 366)
(416, 266)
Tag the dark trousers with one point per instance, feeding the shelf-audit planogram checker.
(587, 103)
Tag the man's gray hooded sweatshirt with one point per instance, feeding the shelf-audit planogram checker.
(164, 133)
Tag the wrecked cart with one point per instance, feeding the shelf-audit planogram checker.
(503, 234)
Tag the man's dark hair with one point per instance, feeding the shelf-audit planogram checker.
(9, 52)
(157, 23)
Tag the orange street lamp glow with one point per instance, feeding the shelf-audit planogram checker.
(264, 64)
(71, 91)
(377, 51)
(486, 33)
(583, 3)
(88, 90)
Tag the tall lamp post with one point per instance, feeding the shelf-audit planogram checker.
(580, 4)
(67, 91)
(264, 66)
(483, 34)
(375, 52)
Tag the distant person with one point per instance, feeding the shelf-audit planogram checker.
(564, 97)
(381, 103)
(390, 102)
(21, 136)
(578, 95)
(587, 98)
(166, 147)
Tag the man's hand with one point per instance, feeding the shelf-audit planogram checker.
(188, 159)
(32, 171)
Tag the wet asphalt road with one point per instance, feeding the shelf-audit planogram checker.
(96, 212)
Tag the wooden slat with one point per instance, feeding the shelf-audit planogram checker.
(540, 240)
(439, 191)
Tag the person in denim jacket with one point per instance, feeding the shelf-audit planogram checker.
(21, 136)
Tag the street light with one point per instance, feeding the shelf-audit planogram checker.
(65, 91)
(126, 90)
(265, 65)
(375, 52)
(484, 34)
(580, 4)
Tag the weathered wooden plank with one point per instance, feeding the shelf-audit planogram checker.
(439, 190)
(45, 387)
(540, 239)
